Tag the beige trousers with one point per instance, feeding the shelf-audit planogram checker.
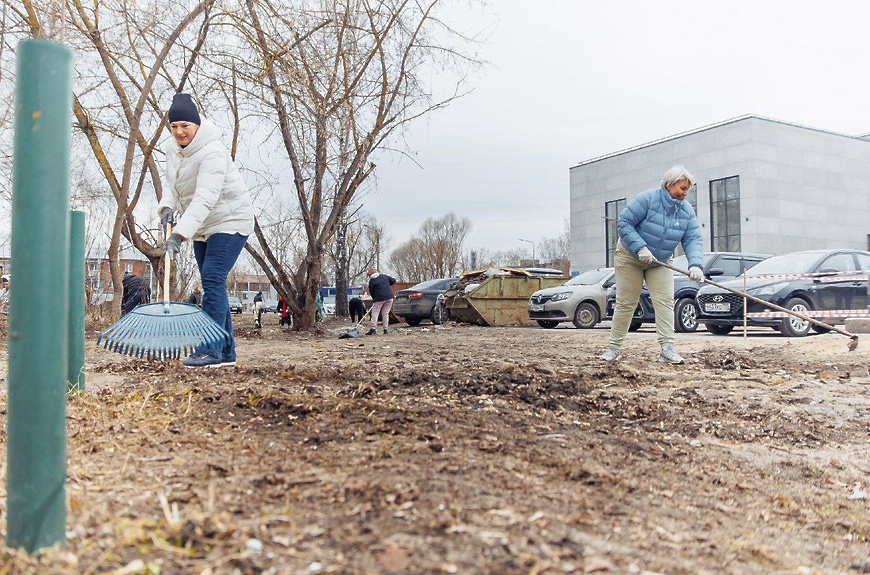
(630, 275)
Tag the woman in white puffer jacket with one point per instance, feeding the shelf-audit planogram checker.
(205, 187)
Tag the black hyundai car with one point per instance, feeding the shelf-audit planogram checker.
(717, 266)
(806, 282)
(420, 302)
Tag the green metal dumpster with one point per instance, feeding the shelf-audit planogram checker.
(497, 296)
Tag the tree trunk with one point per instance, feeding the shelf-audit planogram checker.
(341, 264)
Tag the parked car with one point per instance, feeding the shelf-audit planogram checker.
(235, 304)
(718, 266)
(420, 302)
(830, 288)
(270, 306)
(580, 300)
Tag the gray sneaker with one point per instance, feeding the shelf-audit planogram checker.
(611, 353)
(670, 355)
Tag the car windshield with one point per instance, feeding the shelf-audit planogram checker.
(234, 300)
(787, 264)
(428, 284)
(682, 262)
(588, 278)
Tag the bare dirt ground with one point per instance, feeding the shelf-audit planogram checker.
(469, 450)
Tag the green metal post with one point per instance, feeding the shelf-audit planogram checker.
(76, 370)
(39, 301)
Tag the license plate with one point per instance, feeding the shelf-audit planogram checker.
(717, 307)
(536, 307)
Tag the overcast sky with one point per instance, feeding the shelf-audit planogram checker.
(571, 80)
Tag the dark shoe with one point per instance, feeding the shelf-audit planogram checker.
(372, 331)
(228, 362)
(385, 331)
(201, 360)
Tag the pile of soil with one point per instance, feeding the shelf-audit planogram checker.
(472, 450)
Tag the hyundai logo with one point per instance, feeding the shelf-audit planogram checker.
(718, 298)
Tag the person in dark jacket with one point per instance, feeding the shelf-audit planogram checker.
(196, 296)
(382, 299)
(650, 228)
(136, 291)
(357, 309)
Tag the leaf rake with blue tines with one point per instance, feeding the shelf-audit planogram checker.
(167, 330)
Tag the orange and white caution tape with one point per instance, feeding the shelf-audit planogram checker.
(813, 313)
(829, 276)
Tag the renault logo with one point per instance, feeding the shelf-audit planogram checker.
(718, 298)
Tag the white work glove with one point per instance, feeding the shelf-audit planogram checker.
(695, 274)
(644, 255)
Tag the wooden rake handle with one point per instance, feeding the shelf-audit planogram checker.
(166, 265)
(853, 344)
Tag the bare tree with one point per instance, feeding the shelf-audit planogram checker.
(436, 250)
(558, 248)
(341, 77)
(127, 56)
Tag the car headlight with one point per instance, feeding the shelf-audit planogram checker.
(768, 290)
(560, 296)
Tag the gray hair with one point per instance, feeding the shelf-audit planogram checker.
(676, 174)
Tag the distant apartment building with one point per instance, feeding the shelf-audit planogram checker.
(763, 185)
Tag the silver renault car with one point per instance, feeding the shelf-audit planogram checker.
(580, 300)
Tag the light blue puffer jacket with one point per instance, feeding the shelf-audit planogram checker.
(656, 220)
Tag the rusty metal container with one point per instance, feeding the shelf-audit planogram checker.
(498, 296)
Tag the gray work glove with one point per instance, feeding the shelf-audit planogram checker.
(695, 274)
(644, 255)
(172, 245)
(166, 217)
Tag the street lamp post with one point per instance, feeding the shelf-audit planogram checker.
(534, 261)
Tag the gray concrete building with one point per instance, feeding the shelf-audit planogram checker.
(763, 185)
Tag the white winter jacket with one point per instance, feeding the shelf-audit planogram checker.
(204, 185)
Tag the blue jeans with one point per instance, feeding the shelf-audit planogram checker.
(216, 257)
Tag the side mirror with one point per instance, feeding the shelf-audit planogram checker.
(713, 272)
(608, 284)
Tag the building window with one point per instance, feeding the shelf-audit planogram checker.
(725, 214)
(128, 268)
(611, 214)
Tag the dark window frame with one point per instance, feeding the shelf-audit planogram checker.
(730, 240)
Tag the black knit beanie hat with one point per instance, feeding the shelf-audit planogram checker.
(183, 109)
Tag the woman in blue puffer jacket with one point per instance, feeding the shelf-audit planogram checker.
(650, 228)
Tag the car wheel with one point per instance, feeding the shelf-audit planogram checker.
(586, 316)
(634, 326)
(439, 314)
(719, 329)
(547, 323)
(413, 321)
(686, 315)
(795, 326)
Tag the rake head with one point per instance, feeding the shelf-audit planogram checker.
(167, 330)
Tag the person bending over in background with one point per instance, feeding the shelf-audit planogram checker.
(204, 185)
(650, 227)
(382, 299)
(136, 291)
(357, 309)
